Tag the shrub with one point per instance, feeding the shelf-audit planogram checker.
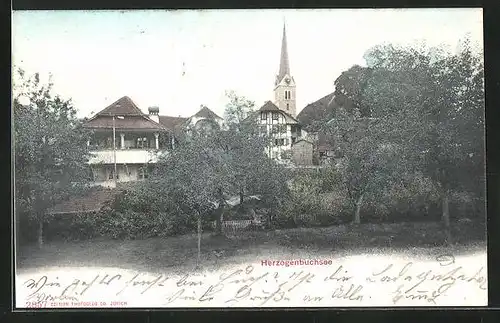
(414, 198)
(309, 205)
(135, 225)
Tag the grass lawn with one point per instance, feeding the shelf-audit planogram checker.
(179, 253)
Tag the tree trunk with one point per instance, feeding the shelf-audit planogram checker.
(357, 216)
(199, 241)
(218, 221)
(220, 214)
(40, 233)
(446, 216)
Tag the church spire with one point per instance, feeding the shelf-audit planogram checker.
(284, 62)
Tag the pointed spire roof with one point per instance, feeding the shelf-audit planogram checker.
(284, 62)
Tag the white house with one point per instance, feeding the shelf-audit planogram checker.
(139, 139)
(283, 130)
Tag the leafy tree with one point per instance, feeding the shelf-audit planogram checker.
(369, 160)
(425, 104)
(208, 168)
(434, 103)
(349, 88)
(50, 148)
(238, 110)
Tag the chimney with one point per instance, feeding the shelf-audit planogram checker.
(154, 114)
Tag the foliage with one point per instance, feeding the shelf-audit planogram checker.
(239, 111)
(413, 110)
(308, 205)
(50, 146)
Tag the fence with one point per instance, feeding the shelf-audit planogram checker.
(236, 225)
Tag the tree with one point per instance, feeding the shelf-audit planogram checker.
(192, 176)
(349, 88)
(369, 161)
(208, 168)
(50, 147)
(238, 110)
(434, 102)
(427, 105)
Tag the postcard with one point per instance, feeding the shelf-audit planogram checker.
(249, 158)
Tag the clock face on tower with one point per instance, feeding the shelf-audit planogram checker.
(287, 80)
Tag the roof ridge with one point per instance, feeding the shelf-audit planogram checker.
(128, 100)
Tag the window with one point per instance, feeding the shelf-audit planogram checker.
(279, 142)
(294, 140)
(288, 106)
(275, 129)
(111, 174)
(143, 173)
(142, 142)
(286, 95)
(282, 128)
(263, 116)
(275, 116)
(289, 95)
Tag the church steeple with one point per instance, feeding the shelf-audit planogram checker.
(284, 62)
(284, 90)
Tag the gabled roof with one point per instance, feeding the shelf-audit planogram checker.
(320, 110)
(303, 140)
(206, 113)
(92, 201)
(128, 122)
(123, 106)
(269, 106)
(133, 117)
(171, 122)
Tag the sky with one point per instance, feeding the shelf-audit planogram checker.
(179, 60)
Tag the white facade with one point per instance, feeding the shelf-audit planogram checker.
(104, 174)
(282, 130)
(125, 156)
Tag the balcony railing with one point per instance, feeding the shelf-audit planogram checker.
(125, 156)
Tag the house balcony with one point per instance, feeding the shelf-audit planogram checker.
(125, 156)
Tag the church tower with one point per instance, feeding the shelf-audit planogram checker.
(284, 87)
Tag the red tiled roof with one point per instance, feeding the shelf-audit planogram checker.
(130, 122)
(206, 113)
(269, 106)
(319, 110)
(92, 201)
